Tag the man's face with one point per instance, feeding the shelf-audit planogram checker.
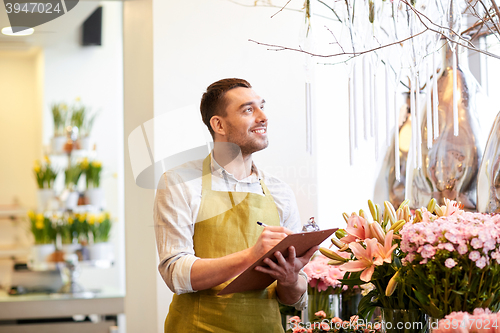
(245, 121)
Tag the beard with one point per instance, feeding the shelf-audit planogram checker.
(244, 140)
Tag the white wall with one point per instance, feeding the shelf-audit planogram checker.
(204, 41)
(343, 187)
(95, 74)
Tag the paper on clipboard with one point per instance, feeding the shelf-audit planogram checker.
(251, 279)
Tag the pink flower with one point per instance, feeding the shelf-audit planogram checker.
(481, 262)
(334, 275)
(322, 286)
(299, 329)
(450, 208)
(367, 259)
(385, 252)
(357, 228)
(451, 237)
(409, 258)
(295, 319)
(474, 255)
(450, 263)
(320, 314)
(316, 270)
(476, 243)
(449, 247)
(462, 249)
(336, 320)
(427, 251)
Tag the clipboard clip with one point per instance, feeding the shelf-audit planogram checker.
(310, 226)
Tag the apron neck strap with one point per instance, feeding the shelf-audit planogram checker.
(206, 181)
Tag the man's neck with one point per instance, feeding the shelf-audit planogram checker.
(240, 166)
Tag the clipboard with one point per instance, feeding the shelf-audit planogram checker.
(251, 279)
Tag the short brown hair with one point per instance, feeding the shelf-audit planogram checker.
(212, 101)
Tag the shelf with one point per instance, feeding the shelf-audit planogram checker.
(14, 252)
(54, 266)
(11, 212)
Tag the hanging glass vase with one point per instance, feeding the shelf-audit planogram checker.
(403, 321)
(488, 186)
(387, 181)
(450, 167)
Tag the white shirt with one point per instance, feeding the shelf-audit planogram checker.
(176, 207)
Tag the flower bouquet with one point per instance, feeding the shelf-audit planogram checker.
(374, 256)
(323, 285)
(452, 259)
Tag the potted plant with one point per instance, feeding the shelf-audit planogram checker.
(99, 227)
(92, 172)
(69, 230)
(72, 175)
(60, 116)
(45, 175)
(84, 121)
(44, 235)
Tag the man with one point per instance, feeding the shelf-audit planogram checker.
(206, 231)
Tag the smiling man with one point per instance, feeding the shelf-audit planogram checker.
(206, 228)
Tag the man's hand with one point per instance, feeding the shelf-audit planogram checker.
(269, 238)
(290, 287)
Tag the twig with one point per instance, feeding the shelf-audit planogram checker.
(279, 11)
(336, 40)
(333, 10)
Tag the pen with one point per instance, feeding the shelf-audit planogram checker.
(262, 224)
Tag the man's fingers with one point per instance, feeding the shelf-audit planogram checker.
(291, 254)
(271, 263)
(278, 229)
(281, 259)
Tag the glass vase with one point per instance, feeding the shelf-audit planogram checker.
(403, 321)
(450, 167)
(350, 302)
(323, 301)
(488, 186)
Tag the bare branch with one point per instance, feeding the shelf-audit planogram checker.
(352, 54)
(279, 11)
(426, 22)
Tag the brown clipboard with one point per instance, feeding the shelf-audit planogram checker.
(251, 279)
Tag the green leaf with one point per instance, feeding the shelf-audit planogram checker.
(423, 299)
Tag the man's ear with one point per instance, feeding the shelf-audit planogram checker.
(218, 125)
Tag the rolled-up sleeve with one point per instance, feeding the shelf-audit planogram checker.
(174, 230)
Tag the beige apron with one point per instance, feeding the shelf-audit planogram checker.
(221, 234)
